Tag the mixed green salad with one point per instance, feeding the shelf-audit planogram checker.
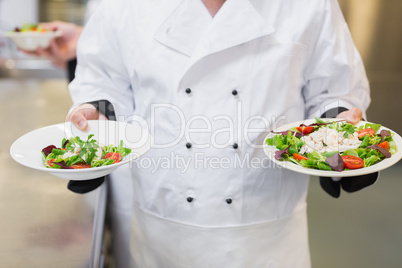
(30, 27)
(333, 146)
(75, 153)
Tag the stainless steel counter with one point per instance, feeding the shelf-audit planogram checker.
(42, 223)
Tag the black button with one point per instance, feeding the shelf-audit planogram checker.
(188, 145)
(188, 90)
(229, 200)
(190, 199)
(234, 92)
(235, 146)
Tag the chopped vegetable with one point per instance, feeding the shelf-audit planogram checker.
(80, 165)
(278, 154)
(365, 131)
(305, 130)
(384, 144)
(116, 157)
(335, 162)
(385, 152)
(352, 162)
(299, 157)
(384, 133)
(297, 134)
(47, 150)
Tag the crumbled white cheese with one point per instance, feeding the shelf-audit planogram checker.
(329, 140)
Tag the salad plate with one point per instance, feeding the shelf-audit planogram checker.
(32, 40)
(31, 36)
(292, 165)
(27, 150)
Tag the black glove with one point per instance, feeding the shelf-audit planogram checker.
(82, 187)
(348, 184)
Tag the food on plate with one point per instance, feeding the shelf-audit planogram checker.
(29, 27)
(76, 154)
(333, 145)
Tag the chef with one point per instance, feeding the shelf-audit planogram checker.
(209, 79)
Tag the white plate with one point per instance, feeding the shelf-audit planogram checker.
(27, 149)
(386, 163)
(32, 40)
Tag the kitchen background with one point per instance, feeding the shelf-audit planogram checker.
(357, 230)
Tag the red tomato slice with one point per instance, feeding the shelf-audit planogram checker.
(299, 157)
(305, 130)
(115, 156)
(366, 131)
(50, 162)
(81, 165)
(384, 144)
(352, 162)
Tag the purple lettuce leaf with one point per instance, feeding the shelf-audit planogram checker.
(321, 124)
(384, 133)
(384, 151)
(48, 149)
(279, 153)
(65, 144)
(335, 162)
(297, 134)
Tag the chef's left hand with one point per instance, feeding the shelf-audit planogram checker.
(352, 116)
(63, 48)
(352, 184)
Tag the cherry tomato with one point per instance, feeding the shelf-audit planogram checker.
(366, 131)
(81, 165)
(299, 157)
(305, 130)
(352, 162)
(384, 144)
(115, 156)
(50, 162)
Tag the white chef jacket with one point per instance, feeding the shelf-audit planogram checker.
(209, 90)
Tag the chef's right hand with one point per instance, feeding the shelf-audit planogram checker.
(80, 114)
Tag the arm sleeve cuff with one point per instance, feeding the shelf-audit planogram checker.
(71, 65)
(105, 107)
(333, 112)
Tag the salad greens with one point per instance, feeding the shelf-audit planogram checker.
(76, 153)
(372, 147)
(30, 27)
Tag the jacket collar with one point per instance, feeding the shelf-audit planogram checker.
(237, 22)
(184, 27)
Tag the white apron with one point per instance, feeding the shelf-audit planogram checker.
(209, 90)
(169, 244)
